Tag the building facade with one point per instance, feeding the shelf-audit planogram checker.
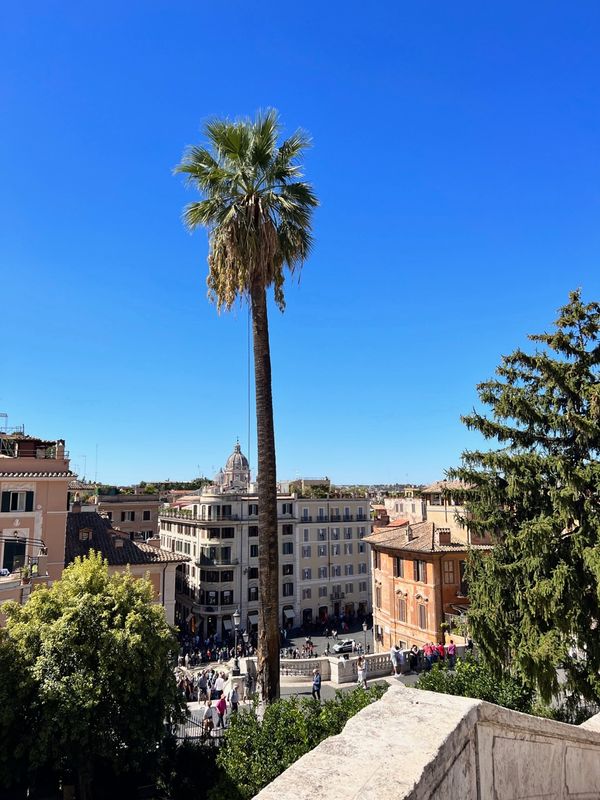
(89, 531)
(323, 565)
(34, 479)
(134, 514)
(418, 582)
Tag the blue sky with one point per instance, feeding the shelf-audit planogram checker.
(457, 163)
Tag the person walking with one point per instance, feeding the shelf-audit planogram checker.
(451, 654)
(361, 672)
(221, 709)
(395, 659)
(234, 699)
(316, 684)
(248, 687)
(208, 719)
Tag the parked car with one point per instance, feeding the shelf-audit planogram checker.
(345, 646)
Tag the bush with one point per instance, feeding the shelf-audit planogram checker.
(256, 751)
(475, 679)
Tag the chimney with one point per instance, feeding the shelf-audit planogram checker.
(409, 534)
(76, 504)
(118, 542)
(443, 536)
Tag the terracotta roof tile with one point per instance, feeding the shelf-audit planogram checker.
(425, 539)
(103, 538)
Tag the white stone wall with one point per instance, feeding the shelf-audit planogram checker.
(416, 745)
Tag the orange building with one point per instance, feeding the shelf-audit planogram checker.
(418, 581)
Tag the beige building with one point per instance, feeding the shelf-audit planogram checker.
(135, 514)
(409, 505)
(89, 531)
(323, 563)
(34, 479)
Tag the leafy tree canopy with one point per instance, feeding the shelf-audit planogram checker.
(98, 652)
(535, 600)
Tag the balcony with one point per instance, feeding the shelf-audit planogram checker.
(324, 518)
(348, 518)
(306, 519)
(337, 596)
(335, 517)
(362, 518)
(206, 561)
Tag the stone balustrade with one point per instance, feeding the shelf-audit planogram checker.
(417, 745)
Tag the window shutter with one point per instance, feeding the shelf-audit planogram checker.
(122, 516)
(28, 501)
(5, 501)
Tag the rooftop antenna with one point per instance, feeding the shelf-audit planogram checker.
(4, 416)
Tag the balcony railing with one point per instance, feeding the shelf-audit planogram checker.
(206, 561)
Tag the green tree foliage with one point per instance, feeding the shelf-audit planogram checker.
(98, 654)
(256, 751)
(535, 600)
(472, 678)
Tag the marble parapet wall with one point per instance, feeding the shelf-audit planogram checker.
(417, 745)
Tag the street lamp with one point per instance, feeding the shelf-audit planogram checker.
(236, 626)
(364, 627)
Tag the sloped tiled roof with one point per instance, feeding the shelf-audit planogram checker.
(425, 539)
(443, 486)
(102, 540)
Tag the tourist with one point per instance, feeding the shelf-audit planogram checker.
(316, 684)
(428, 653)
(451, 654)
(221, 709)
(208, 719)
(248, 687)
(441, 651)
(234, 698)
(395, 656)
(361, 672)
(219, 683)
(413, 658)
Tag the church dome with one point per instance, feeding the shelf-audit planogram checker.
(237, 460)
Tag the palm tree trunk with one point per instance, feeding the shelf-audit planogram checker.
(268, 542)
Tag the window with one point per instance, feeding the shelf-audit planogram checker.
(335, 549)
(362, 568)
(306, 551)
(226, 512)
(360, 513)
(361, 547)
(17, 501)
(252, 530)
(305, 514)
(253, 509)
(253, 572)
(287, 529)
(253, 551)
(436, 500)
(322, 534)
(463, 590)
(412, 505)
(287, 569)
(306, 574)
(321, 514)
(288, 589)
(322, 550)
(227, 576)
(398, 567)
(109, 516)
(227, 533)
(211, 598)
(422, 616)
(349, 588)
(378, 596)
(349, 569)
(127, 516)
(322, 572)
(336, 571)
(449, 572)
(306, 594)
(362, 586)
(146, 515)
(322, 591)
(214, 533)
(306, 535)
(402, 610)
(252, 593)
(376, 560)
(227, 598)
(348, 548)
(335, 533)
(362, 531)
(420, 570)
(347, 533)
(287, 548)
(286, 508)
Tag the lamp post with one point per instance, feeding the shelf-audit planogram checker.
(364, 627)
(236, 625)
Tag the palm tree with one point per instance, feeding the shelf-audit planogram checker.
(258, 214)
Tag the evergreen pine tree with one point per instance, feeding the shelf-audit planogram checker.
(535, 600)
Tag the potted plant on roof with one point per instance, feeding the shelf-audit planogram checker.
(25, 574)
